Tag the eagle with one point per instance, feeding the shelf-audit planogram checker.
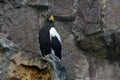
(49, 38)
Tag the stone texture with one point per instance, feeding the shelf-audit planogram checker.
(82, 69)
(21, 65)
(89, 30)
(112, 16)
(40, 4)
(87, 17)
(64, 12)
(1, 16)
(17, 22)
(91, 68)
(2, 0)
(92, 30)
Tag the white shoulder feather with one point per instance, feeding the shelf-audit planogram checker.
(54, 33)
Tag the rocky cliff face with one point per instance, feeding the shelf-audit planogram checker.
(89, 30)
(19, 64)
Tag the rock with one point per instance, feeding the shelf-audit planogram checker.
(65, 17)
(111, 15)
(58, 68)
(40, 4)
(82, 72)
(66, 11)
(1, 16)
(2, 0)
(18, 64)
(18, 3)
(89, 30)
(89, 67)
(95, 32)
(87, 17)
(26, 19)
(111, 40)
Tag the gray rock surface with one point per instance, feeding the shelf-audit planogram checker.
(17, 64)
(89, 30)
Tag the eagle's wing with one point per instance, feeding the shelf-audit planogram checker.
(55, 42)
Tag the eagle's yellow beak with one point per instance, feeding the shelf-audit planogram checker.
(51, 18)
